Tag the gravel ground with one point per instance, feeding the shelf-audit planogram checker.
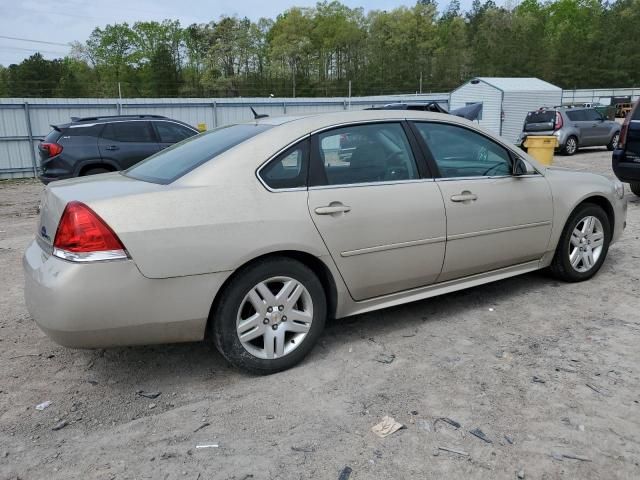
(548, 371)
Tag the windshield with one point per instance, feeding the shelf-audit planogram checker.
(174, 162)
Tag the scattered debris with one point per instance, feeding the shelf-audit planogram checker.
(536, 379)
(168, 455)
(423, 424)
(452, 450)
(60, 425)
(207, 445)
(508, 439)
(345, 473)
(304, 449)
(576, 457)
(204, 425)
(43, 405)
(491, 309)
(435, 452)
(152, 406)
(448, 420)
(520, 475)
(92, 382)
(385, 358)
(566, 369)
(476, 432)
(413, 412)
(150, 395)
(386, 427)
(557, 456)
(595, 389)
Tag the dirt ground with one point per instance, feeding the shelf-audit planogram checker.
(549, 371)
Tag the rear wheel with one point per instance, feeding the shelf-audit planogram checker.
(614, 142)
(95, 171)
(635, 188)
(583, 245)
(570, 146)
(269, 316)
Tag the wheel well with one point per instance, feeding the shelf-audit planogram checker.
(86, 168)
(312, 262)
(603, 203)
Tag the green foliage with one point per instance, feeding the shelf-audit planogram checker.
(317, 51)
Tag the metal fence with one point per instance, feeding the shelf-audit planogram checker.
(25, 121)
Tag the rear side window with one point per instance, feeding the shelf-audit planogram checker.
(576, 115)
(128, 132)
(592, 115)
(83, 130)
(172, 132)
(172, 163)
(289, 169)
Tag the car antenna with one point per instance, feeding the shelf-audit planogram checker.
(257, 115)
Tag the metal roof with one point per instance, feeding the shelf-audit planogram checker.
(518, 84)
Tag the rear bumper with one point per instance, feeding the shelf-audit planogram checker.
(106, 304)
(626, 169)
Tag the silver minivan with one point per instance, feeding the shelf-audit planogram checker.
(574, 127)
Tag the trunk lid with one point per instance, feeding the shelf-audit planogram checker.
(87, 190)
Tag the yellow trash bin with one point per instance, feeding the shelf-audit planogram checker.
(202, 127)
(541, 147)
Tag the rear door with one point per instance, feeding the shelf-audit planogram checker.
(584, 125)
(494, 219)
(126, 143)
(382, 220)
(169, 133)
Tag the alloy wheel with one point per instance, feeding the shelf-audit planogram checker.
(587, 242)
(571, 146)
(614, 141)
(274, 317)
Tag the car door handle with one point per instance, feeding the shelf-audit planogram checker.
(112, 147)
(332, 209)
(464, 197)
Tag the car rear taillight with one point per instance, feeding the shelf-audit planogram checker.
(83, 236)
(625, 127)
(51, 149)
(558, 124)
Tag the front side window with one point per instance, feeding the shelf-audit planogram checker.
(592, 115)
(289, 169)
(576, 115)
(172, 163)
(377, 152)
(128, 132)
(172, 132)
(461, 152)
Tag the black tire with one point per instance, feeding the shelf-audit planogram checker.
(95, 171)
(224, 315)
(570, 148)
(635, 188)
(613, 143)
(561, 266)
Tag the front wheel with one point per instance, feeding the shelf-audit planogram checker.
(269, 316)
(635, 188)
(614, 142)
(583, 245)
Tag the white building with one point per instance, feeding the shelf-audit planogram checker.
(505, 101)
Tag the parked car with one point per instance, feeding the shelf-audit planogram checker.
(252, 235)
(91, 145)
(626, 157)
(574, 127)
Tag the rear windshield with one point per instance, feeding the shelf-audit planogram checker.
(174, 162)
(548, 116)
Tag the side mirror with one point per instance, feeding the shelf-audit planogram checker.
(519, 167)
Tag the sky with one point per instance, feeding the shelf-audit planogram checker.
(63, 21)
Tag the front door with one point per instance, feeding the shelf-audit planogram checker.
(383, 224)
(494, 219)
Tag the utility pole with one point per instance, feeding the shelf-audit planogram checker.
(420, 83)
(349, 94)
(119, 91)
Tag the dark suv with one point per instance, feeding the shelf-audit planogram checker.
(626, 156)
(92, 145)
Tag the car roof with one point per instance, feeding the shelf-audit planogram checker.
(102, 119)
